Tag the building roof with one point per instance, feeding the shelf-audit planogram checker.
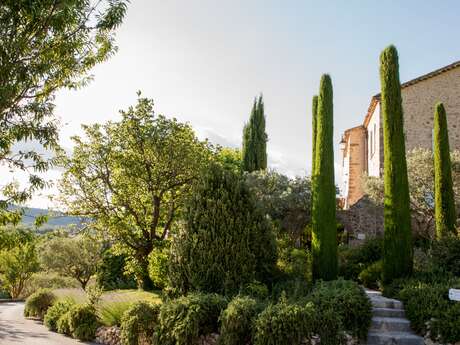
(376, 98)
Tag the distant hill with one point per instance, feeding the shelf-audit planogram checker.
(55, 219)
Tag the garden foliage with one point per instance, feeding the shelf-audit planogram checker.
(38, 303)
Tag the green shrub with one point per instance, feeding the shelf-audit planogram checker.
(38, 303)
(111, 273)
(55, 312)
(236, 321)
(226, 243)
(284, 324)
(182, 321)
(447, 326)
(329, 327)
(293, 289)
(427, 307)
(352, 260)
(348, 301)
(256, 290)
(82, 321)
(158, 267)
(371, 276)
(446, 254)
(139, 321)
(63, 323)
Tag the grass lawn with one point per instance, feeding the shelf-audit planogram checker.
(112, 304)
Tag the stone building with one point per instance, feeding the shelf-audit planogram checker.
(362, 146)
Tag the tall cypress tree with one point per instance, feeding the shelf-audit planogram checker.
(314, 111)
(255, 139)
(443, 189)
(324, 228)
(397, 250)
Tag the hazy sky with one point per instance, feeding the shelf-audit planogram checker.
(204, 62)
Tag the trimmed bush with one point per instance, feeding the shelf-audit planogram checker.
(428, 307)
(236, 321)
(371, 276)
(227, 241)
(82, 321)
(348, 301)
(139, 321)
(284, 324)
(292, 289)
(182, 321)
(63, 324)
(55, 312)
(38, 303)
(329, 327)
(256, 290)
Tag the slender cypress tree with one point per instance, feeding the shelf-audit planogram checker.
(255, 139)
(443, 189)
(324, 227)
(314, 109)
(397, 249)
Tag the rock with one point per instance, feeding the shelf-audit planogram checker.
(108, 335)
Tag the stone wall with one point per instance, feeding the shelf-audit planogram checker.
(361, 221)
(418, 102)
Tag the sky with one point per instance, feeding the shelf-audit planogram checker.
(203, 62)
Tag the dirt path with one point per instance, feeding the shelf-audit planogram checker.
(15, 329)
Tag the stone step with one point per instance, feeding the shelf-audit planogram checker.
(393, 338)
(388, 312)
(382, 302)
(390, 324)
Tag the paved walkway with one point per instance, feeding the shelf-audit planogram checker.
(15, 329)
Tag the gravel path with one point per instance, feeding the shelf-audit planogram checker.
(15, 329)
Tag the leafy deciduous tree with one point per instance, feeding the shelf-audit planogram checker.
(45, 45)
(17, 265)
(131, 176)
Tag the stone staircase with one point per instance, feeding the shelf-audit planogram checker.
(389, 326)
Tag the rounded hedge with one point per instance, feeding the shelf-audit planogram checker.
(183, 320)
(55, 312)
(236, 321)
(139, 321)
(38, 303)
(348, 300)
(82, 321)
(284, 324)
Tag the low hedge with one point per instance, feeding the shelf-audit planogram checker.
(55, 312)
(183, 320)
(348, 300)
(139, 321)
(38, 303)
(428, 308)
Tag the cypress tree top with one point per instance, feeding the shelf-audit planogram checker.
(255, 139)
(314, 109)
